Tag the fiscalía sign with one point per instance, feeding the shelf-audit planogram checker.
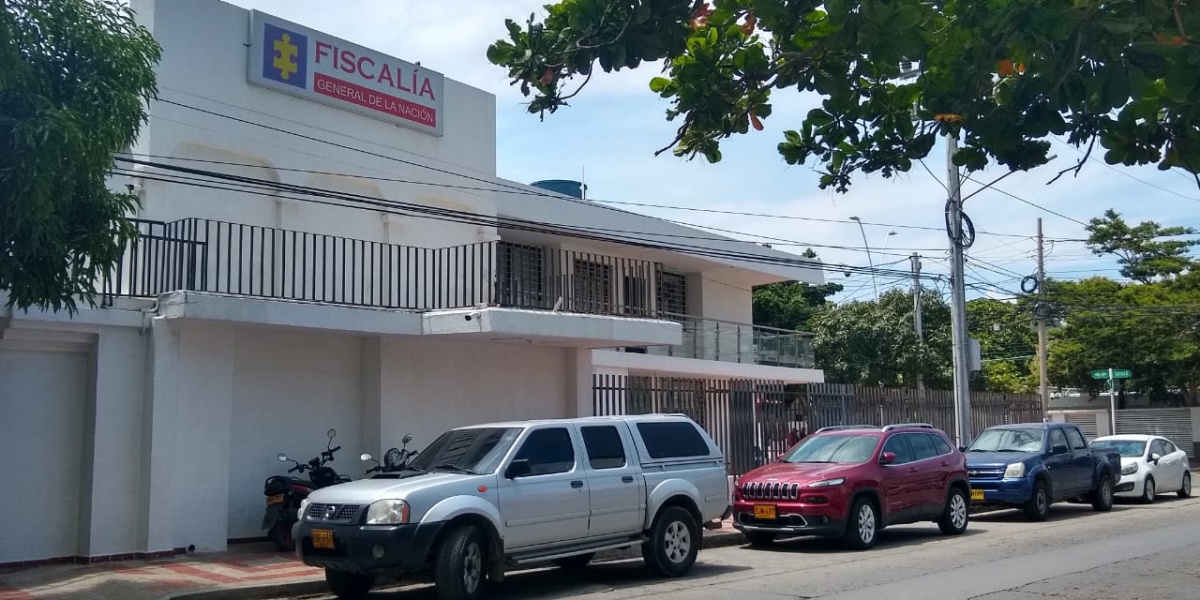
(296, 60)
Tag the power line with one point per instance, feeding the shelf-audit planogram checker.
(1037, 206)
(257, 186)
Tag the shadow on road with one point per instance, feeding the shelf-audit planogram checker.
(898, 536)
(1058, 512)
(562, 583)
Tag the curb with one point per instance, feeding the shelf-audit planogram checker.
(722, 539)
(256, 592)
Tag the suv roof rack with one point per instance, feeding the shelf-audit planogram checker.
(845, 427)
(907, 425)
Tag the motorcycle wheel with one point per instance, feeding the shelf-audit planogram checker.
(280, 534)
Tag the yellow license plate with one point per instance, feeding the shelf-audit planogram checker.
(322, 539)
(977, 494)
(764, 512)
(273, 500)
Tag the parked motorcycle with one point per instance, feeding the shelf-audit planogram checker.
(394, 460)
(284, 493)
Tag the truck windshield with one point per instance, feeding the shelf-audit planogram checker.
(1009, 440)
(1127, 448)
(474, 450)
(841, 448)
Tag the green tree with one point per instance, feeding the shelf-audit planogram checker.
(1141, 254)
(1007, 342)
(1002, 75)
(791, 304)
(75, 76)
(873, 342)
(1151, 328)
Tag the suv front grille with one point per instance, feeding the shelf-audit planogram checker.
(332, 513)
(757, 490)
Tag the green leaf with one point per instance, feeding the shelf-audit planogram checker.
(1116, 86)
(658, 84)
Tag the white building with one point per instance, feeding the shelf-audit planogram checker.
(369, 273)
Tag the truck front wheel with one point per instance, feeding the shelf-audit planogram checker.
(1038, 506)
(674, 543)
(460, 566)
(1102, 497)
(348, 586)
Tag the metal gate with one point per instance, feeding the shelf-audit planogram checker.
(1175, 424)
(1086, 421)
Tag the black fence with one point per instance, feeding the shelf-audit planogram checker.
(750, 419)
(248, 260)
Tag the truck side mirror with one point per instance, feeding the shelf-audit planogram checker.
(1154, 458)
(517, 468)
(887, 458)
(1059, 449)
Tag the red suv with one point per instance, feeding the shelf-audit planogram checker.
(852, 481)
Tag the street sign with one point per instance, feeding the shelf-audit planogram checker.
(1116, 374)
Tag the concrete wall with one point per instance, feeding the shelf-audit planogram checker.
(288, 390)
(204, 66)
(427, 386)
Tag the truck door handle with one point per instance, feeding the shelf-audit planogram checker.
(577, 484)
(912, 469)
(627, 479)
(945, 464)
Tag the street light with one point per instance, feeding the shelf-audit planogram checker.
(867, 247)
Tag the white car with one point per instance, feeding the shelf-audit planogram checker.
(1150, 465)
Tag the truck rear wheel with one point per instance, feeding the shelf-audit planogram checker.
(1102, 497)
(674, 543)
(348, 586)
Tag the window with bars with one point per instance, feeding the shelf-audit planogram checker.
(672, 293)
(592, 287)
(521, 275)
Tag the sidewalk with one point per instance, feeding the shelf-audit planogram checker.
(246, 571)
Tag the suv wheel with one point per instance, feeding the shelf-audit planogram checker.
(759, 538)
(348, 586)
(1102, 498)
(1186, 490)
(460, 566)
(1038, 507)
(862, 529)
(956, 515)
(674, 543)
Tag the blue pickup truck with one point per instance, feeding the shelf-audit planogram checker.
(1033, 465)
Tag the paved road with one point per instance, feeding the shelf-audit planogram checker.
(1135, 551)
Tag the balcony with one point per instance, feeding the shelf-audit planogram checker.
(711, 339)
(203, 255)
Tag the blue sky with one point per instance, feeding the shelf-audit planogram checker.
(612, 130)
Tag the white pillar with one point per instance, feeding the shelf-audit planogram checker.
(156, 515)
(579, 382)
(109, 511)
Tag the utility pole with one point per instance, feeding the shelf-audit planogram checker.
(916, 271)
(1043, 359)
(958, 300)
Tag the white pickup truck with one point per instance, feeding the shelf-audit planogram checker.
(484, 497)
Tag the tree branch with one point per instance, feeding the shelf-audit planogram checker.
(1179, 20)
(1079, 166)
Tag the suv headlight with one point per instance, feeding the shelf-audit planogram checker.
(303, 509)
(1129, 469)
(387, 512)
(1015, 470)
(828, 482)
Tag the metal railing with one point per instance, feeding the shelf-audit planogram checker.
(712, 339)
(249, 260)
